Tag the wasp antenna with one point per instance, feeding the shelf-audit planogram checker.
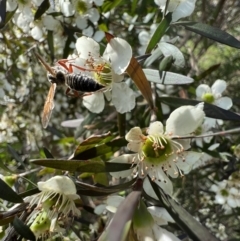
(45, 65)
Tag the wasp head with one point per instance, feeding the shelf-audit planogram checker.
(57, 76)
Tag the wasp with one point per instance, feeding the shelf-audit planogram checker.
(59, 75)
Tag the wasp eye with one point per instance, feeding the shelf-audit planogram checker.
(51, 78)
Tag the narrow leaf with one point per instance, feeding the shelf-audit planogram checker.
(185, 220)
(42, 9)
(159, 32)
(135, 71)
(8, 194)
(211, 33)
(82, 166)
(23, 229)
(167, 78)
(100, 150)
(2, 13)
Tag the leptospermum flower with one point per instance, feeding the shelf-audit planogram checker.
(108, 70)
(178, 8)
(54, 203)
(213, 96)
(160, 154)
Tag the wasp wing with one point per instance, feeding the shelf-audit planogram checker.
(48, 106)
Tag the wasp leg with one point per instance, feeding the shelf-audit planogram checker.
(72, 93)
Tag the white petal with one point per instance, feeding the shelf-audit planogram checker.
(184, 120)
(99, 2)
(88, 31)
(201, 90)
(211, 122)
(224, 102)
(155, 128)
(169, 49)
(81, 22)
(67, 9)
(11, 5)
(98, 35)
(163, 235)
(85, 45)
(94, 102)
(37, 33)
(93, 15)
(127, 158)
(143, 37)
(125, 104)
(162, 179)
(134, 146)
(148, 189)
(119, 53)
(51, 23)
(59, 184)
(219, 86)
(72, 123)
(220, 199)
(134, 135)
(160, 215)
(184, 9)
(114, 201)
(191, 158)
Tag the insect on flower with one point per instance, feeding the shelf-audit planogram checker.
(61, 74)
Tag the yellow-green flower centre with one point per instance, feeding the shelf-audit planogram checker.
(208, 97)
(224, 192)
(103, 74)
(157, 149)
(81, 7)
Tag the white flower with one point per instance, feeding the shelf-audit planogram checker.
(55, 202)
(178, 8)
(106, 70)
(227, 192)
(160, 154)
(213, 96)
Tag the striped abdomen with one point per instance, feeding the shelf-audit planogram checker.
(82, 83)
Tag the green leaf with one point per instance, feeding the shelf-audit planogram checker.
(83, 166)
(211, 33)
(110, 4)
(159, 32)
(212, 111)
(207, 72)
(167, 78)
(47, 153)
(2, 13)
(190, 225)
(85, 153)
(23, 229)
(15, 155)
(9, 16)
(8, 194)
(91, 190)
(42, 9)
